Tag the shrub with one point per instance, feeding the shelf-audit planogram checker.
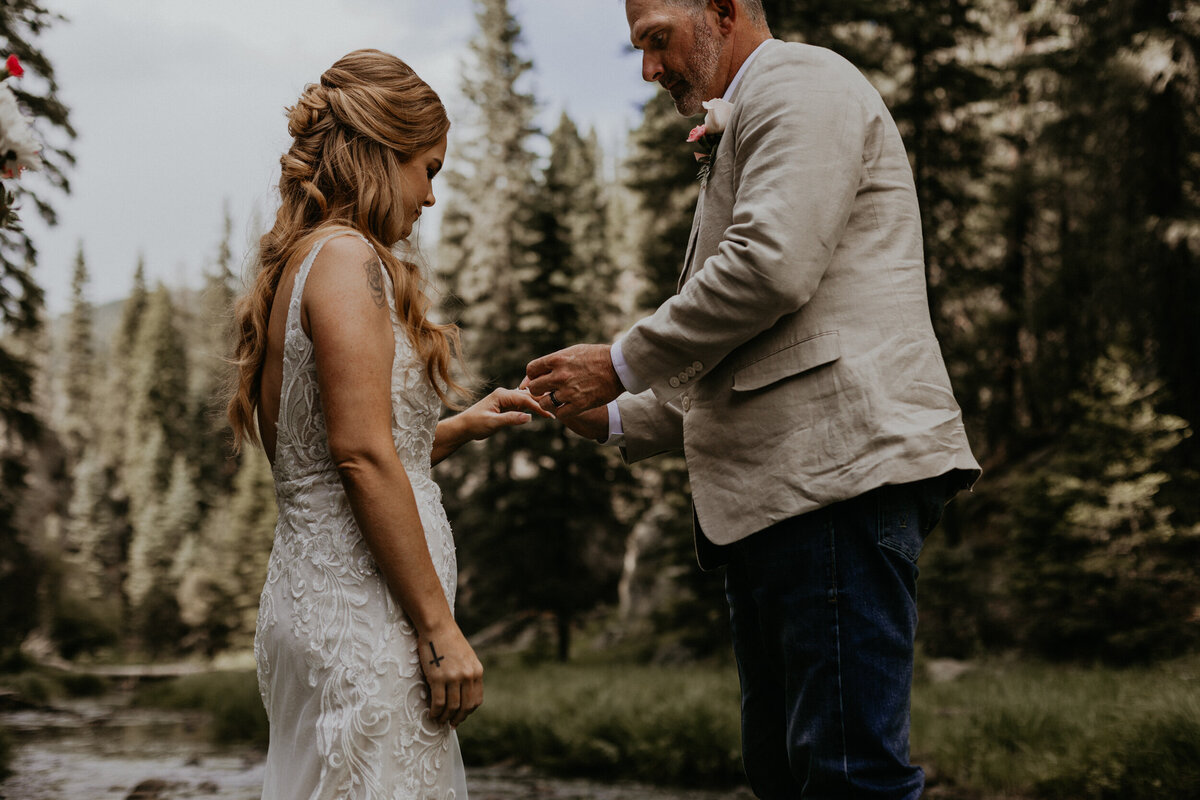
(231, 698)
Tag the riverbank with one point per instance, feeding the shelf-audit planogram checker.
(1000, 729)
(108, 748)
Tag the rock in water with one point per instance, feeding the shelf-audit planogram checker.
(149, 790)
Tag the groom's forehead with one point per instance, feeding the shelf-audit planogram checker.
(644, 16)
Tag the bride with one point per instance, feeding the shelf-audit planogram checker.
(363, 671)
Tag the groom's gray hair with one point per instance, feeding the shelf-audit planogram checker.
(752, 8)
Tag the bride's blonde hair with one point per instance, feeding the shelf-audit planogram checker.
(351, 133)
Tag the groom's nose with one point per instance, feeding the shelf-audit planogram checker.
(652, 68)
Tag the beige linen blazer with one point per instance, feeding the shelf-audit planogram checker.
(797, 365)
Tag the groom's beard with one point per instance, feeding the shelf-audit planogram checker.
(689, 89)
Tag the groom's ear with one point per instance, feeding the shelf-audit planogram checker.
(727, 12)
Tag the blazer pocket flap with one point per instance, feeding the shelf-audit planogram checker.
(802, 356)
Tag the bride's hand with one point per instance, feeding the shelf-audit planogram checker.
(454, 675)
(500, 409)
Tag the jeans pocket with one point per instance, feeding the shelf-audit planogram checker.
(907, 514)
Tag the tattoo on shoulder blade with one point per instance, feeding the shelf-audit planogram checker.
(375, 280)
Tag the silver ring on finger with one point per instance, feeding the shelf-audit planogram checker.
(557, 403)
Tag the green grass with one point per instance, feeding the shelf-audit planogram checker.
(666, 725)
(1064, 733)
(231, 697)
(1002, 730)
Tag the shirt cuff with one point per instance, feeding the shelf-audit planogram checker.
(616, 434)
(628, 379)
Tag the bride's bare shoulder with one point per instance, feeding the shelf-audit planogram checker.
(346, 278)
(343, 251)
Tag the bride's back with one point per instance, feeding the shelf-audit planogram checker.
(340, 250)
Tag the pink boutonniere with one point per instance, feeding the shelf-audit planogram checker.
(708, 134)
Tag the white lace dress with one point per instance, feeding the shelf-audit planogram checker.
(337, 658)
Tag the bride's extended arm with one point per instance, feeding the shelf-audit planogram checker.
(346, 316)
(500, 409)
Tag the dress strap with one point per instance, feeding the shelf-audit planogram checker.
(293, 315)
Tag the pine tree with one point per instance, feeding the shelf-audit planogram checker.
(484, 259)
(21, 21)
(132, 311)
(157, 399)
(94, 526)
(1107, 563)
(81, 374)
(160, 528)
(484, 254)
(662, 174)
(558, 490)
(209, 371)
(113, 402)
(204, 584)
(253, 513)
(1128, 139)
(155, 438)
(221, 568)
(146, 482)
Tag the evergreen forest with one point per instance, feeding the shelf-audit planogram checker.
(1056, 150)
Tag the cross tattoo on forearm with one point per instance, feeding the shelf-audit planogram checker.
(437, 660)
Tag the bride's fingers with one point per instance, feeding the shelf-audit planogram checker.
(472, 698)
(453, 704)
(475, 693)
(524, 400)
(437, 700)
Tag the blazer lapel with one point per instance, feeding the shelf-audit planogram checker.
(696, 220)
(691, 248)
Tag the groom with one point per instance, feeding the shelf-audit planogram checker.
(797, 369)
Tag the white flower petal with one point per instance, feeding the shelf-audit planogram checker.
(718, 113)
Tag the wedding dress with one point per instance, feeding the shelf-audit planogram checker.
(337, 658)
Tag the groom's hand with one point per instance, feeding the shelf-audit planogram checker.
(591, 424)
(575, 379)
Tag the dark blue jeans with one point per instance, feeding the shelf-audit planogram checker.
(824, 613)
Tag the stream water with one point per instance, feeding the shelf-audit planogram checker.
(105, 750)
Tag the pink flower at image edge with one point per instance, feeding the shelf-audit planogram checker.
(697, 133)
(13, 65)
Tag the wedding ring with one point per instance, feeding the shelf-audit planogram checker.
(557, 403)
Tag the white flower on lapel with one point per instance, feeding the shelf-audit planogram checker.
(717, 115)
(708, 134)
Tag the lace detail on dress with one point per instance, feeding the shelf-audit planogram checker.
(338, 667)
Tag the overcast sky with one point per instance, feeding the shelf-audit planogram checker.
(179, 108)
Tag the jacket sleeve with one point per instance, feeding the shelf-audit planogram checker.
(796, 138)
